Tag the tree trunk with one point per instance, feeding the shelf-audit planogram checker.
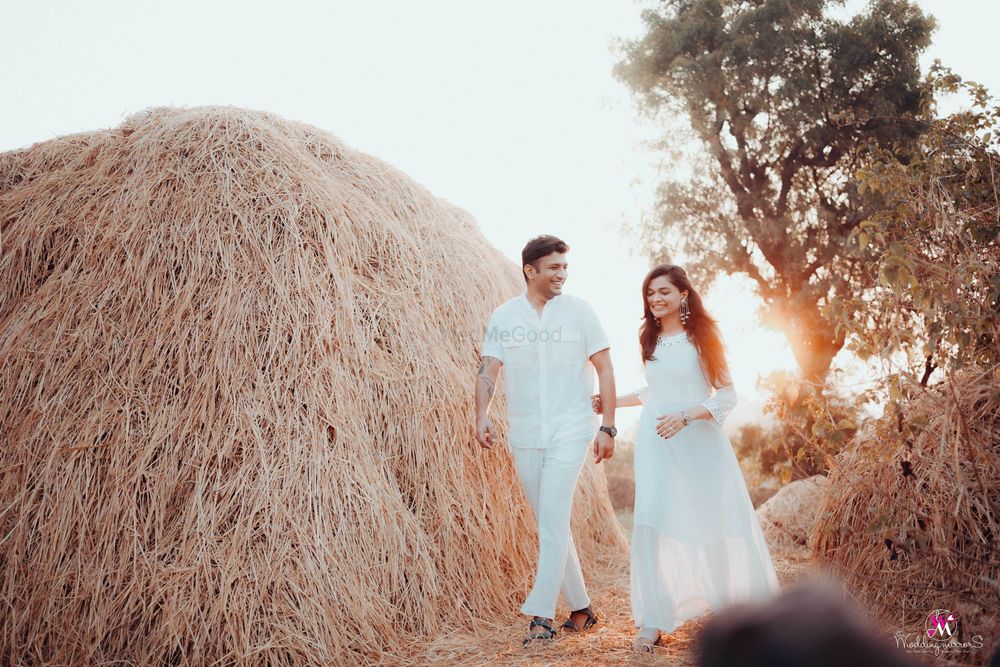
(814, 353)
(813, 339)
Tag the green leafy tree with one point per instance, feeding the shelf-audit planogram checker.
(934, 247)
(933, 253)
(766, 86)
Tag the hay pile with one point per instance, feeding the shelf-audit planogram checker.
(236, 374)
(912, 527)
(619, 471)
(787, 518)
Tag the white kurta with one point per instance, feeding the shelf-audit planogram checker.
(696, 542)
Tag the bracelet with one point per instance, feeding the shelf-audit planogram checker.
(686, 417)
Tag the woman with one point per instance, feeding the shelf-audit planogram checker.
(696, 543)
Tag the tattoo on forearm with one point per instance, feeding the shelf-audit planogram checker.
(488, 385)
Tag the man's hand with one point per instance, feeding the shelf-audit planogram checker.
(604, 446)
(669, 425)
(484, 432)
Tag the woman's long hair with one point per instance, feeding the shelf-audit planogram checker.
(701, 328)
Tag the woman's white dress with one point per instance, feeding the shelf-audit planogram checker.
(696, 542)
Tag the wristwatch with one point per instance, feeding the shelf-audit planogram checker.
(686, 417)
(610, 430)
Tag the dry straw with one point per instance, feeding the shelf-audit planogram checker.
(912, 526)
(236, 372)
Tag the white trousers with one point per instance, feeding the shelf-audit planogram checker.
(548, 477)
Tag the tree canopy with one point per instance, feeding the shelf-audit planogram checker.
(785, 99)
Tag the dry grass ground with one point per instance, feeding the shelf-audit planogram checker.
(609, 643)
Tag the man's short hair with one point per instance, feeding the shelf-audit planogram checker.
(539, 247)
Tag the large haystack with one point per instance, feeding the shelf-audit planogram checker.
(236, 372)
(912, 527)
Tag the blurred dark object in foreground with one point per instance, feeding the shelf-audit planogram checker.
(809, 624)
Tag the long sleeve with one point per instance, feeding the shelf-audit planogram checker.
(721, 403)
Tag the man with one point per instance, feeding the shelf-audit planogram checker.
(549, 345)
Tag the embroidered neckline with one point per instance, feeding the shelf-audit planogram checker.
(670, 340)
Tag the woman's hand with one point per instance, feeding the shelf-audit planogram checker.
(595, 402)
(669, 425)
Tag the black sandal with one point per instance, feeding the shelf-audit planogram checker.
(589, 623)
(548, 634)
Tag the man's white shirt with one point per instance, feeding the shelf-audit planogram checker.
(548, 377)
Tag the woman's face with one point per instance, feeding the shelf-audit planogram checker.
(662, 297)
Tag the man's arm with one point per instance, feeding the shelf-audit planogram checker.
(486, 382)
(604, 444)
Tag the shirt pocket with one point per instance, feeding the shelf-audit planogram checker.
(518, 354)
(567, 348)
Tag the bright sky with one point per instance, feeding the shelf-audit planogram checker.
(508, 110)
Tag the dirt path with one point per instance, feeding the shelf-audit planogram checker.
(608, 644)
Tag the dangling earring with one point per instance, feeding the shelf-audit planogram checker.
(685, 312)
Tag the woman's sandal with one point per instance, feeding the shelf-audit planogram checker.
(546, 635)
(587, 624)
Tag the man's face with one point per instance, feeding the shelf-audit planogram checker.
(549, 277)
